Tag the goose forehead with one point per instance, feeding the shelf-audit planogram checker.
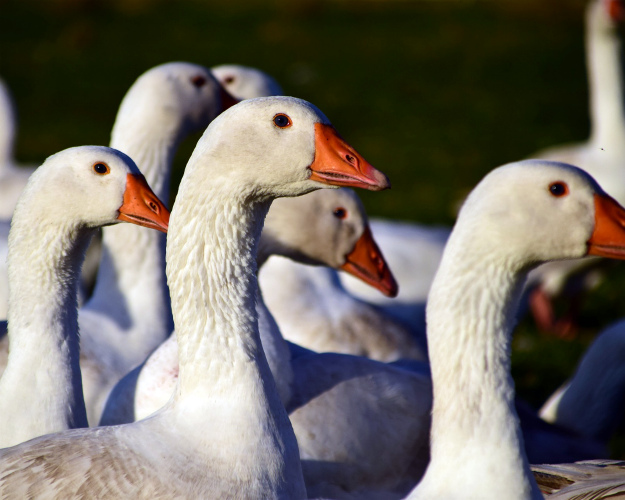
(530, 176)
(172, 72)
(89, 155)
(267, 107)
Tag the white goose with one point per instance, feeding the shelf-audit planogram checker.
(224, 433)
(12, 178)
(602, 155)
(556, 211)
(72, 194)
(129, 313)
(244, 82)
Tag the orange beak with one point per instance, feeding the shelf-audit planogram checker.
(141, 206)
(608, 238)
(338, 164)
(367, 263)
(227, 100)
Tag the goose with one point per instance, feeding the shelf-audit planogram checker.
(244, 82)
(224, 433)
(557, 211)
(129, 313)
(13, 178)
(69, 196)
(360, 424)
(602, 155)
(591, 404)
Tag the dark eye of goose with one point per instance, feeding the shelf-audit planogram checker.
(198, 81)
(101, 168)
(340, 213)
(558, 189)
(228, 80)
(282, 121)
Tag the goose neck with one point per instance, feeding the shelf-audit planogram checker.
(470, 315)
(211, 269)
(607, 105)
(43, 327)
(131, 286)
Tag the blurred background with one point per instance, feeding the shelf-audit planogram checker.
(434, 93)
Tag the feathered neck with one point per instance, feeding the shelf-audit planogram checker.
(223, 372)
(131, 287)
(43, 326)
(607, 103)
(476, 443)
(211, 269)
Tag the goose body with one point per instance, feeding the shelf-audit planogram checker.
(41, 388)
(558, 211)
(246, 448)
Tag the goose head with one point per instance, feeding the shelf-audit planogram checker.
(281, 146)
(543, 211)
(330, 228)
(244, 82)
(94, 185)
(176, 96)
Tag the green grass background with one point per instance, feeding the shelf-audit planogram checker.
(434, 93)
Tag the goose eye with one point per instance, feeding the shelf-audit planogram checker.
(558, 189)
(101, 168)
(282, 121)
(340, 213)
(198, 81)
(228, 80)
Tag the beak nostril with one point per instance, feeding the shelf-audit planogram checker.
(350, 158)
(153, 206)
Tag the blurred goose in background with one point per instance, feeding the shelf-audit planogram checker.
(72, 194)
(129, 314)
(243, 82)
(13, 178)
(592, 403)
(602, 155)
(359, 423)
(309, 304)
(225, 432)
(558, 212)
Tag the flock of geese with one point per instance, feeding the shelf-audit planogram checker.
(214, 361)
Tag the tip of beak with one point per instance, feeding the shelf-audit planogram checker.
(381, 182)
